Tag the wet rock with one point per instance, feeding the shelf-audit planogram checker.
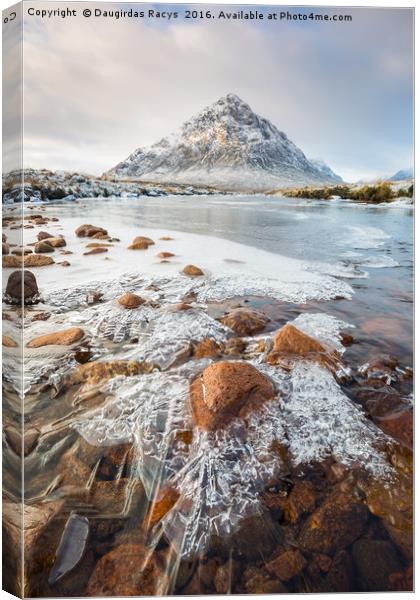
(100, 250)
(22, 284)
(165, 255)
(339, 521)
(226, 390)
(255, 539)
(99, 245)
(225, 577)
(8, 342)
(392, 502)
(165, 499)
(290, 342)
(339, 576)
(402, 581)
(66, 337)
(346, 339)
(192, 271)
(15, 442)
(398, 425)
(57, 242)
(89, 231)
(257, 581)
(22, 251)
(374, 562)
(244, 321)
(129, 300)
(44, 524)
(5, 248)
(11, 262)
(141, 243)
(43, 235)
(206, 349)
(43, 247)
(116, 462)
(300, 501)
(37, 260)
(382, 368)
(286, 565)
(234, 347)
(97, 371)
(166, 238)
(111, 497)
(128, 570)
(65, 263)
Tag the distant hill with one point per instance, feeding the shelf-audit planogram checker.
(227, 146)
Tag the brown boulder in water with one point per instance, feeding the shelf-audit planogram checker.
(57, 242)
(11, 262)
(226, 390)
(339, 521)
(43, 247)
(287, 565)
(99, 250)
(128, 570)
(37, 260)
(165, 255)
(375, 561)
(21, 285)
(192, 271)
(67, 337)
(141, 243)
(89, 230)
(43, 235)
(244, 321)
(129, 300)
(398, 425)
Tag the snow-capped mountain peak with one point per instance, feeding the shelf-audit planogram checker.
(226, 145)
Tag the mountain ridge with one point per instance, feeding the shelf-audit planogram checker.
(226, 145)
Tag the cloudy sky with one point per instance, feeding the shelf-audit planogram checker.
(96, 89)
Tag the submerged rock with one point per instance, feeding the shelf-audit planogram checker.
(375, 561)
(57, 242)
(129, 300)
(226, 390)
(339, 521)
(192, 271)
(398, 425)
(128, 570)
(22, 285)
(89, 230)
(287, 565)
(95, 372)
(244, 321)
(67, 337)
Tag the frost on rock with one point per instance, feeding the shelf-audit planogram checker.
(220, 474)
(320, 421)
(323, 327)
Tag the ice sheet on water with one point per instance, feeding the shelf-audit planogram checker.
(364, 237)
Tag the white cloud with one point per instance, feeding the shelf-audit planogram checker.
(97, 89)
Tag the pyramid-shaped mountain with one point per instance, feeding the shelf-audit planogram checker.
(226, 146)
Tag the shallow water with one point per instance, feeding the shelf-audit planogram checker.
(325, 266)
(373, 243)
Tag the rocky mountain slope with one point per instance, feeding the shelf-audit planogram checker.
(227, 146)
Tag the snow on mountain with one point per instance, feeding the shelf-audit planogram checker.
(403, 174)
(227, 146)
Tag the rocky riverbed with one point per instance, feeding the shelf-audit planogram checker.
(193, 428)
